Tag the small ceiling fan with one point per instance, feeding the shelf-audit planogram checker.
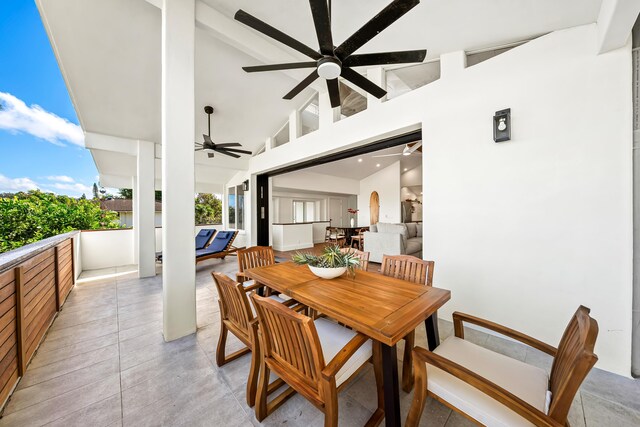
(209, 146)
(408, 150)
(331, 62)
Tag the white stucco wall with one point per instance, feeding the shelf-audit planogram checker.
(522, 232)
(387, 183)
(106, 248)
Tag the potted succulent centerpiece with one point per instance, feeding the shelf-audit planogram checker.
(330, 264)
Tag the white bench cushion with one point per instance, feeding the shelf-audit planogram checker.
(527, 382)
(333, 338)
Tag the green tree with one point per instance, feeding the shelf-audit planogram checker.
(29, 217)
(208, 209)
(127, 193)
(96, 194)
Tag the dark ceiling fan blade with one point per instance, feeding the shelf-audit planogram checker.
(237, 156)
(200, 149)
(207, 139)
(401, 57)
(228, 144)
(234, 150)
(275, 67)
(302, 85)
(363, 82)
(198, 143)
(334, 92)
(210, 155)
(275, 34)
(375, 26)
(322, 22)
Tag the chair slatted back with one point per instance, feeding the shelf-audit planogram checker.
(256, 256)
(290, 345)
(572, 363)
(362, 256)
(409, 268)
(234, 304)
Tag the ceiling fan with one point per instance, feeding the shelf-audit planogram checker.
(408, 150)
(209, 146)
(331, 62)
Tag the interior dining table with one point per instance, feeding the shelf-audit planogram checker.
(383, 308)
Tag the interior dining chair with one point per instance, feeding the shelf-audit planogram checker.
(362, 256)
(237, 316)
(334, 235)
(494, 390)
(315, 358)
(416, 270)
(358, 238)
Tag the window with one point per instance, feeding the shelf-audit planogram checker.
(405, 79)
(282, 137)
(232, 207)
(351, 101)
(310, 116)
(240, 207)
(303, 211)
(236, 208)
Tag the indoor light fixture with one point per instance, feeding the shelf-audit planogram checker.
(329, 68)
(359, 160)
(378, 165)
(406, 169)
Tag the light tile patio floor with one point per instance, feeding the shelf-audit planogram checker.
(104, 363)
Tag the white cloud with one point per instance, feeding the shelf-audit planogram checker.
(16, 116)
(61, 178)
(11, 185)
(75, 187)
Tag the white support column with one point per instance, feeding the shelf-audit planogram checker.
(144, 210)
(452, 63)
(269, 143)
(178, 187)
(327, 114)
(295, 127)
(378, 76)
(615, 22)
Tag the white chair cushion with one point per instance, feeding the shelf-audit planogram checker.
(333, 338)
(525, 381)
(273, 297)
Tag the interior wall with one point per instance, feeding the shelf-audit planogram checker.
(522, 232)
(387, 183)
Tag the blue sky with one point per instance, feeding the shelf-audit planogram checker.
(41, 143)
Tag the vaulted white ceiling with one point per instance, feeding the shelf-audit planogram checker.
(109, 53)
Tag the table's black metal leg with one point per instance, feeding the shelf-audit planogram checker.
(433, 337)
(391, 390)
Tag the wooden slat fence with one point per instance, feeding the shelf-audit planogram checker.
(32, 289)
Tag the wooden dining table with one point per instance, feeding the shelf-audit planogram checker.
(383, 308)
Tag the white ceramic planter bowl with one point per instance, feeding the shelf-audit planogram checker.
(327, 273)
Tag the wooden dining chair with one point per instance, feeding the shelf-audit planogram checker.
(255, 256)
(416, 270)
(315, 358)
(334, 235)
(358, 238)
(492, 389)
(362, 256)
(238, 317)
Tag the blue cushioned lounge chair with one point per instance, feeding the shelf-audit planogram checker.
(203, 239)
(220, 247)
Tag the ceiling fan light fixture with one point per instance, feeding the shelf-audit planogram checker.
(329, 68)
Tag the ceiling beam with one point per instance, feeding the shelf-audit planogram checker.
(243, 38)
(98, 141)
(615, 22)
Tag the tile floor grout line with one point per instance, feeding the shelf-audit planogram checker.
(54, 397)
(67, 357)
(584, 416)
(80, 409)
(119, 359)
(63, 374)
